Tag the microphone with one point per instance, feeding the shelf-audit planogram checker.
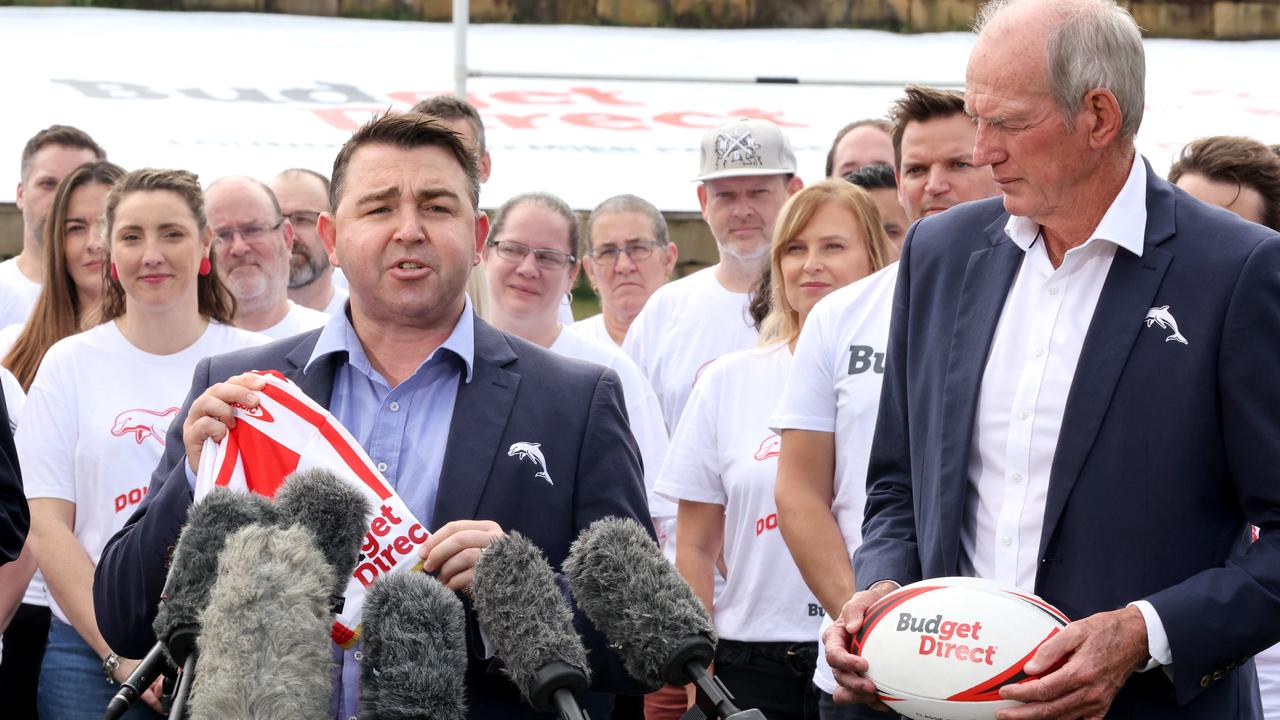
(195, 562)
(336, 514)
(637, 599)
(415, 651)
(264, 644)
(528, 620)
(149, 668)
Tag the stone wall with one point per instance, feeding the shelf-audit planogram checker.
(1221, 19)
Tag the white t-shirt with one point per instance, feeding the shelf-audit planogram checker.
(642, 407)
(834, 387)
(299, 319)
(9, 337)
(18, 293)
(593, 327)
(94, 424)
(684, 326)
(724, 453)
(337, 303)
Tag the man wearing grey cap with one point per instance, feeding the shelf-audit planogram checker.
(747, 173)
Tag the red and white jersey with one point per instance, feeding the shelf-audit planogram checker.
(724, 453)
(289, 431)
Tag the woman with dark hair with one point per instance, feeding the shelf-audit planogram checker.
(74, 252)
(95, 420)
(722, 463)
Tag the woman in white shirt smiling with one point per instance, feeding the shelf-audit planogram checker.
(530, 263)
(723, 460)
(94, 424)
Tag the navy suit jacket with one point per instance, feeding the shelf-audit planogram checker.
(1167, 451)
(14, 516)
(518, 393)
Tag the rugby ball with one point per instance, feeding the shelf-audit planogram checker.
(941, 649)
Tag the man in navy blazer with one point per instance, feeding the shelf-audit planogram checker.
(406, 228)
(1081, 395)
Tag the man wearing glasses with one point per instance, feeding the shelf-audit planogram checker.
(252, 245)
(628, 256)
(303, 195)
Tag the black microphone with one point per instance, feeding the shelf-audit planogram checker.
(528, 620)
(415, 651)
(637, 599)
(336, 514)
(149, 668)
(195, 562)
(264, 640)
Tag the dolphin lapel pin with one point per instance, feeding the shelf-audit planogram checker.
(1162, 317)
(530, 451)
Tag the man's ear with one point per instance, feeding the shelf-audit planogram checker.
(328, 232)
(794, 185)
(702, 197)
(1104, 117)
(486, 166)
(289, 235)
(482, 230)
(673, 253)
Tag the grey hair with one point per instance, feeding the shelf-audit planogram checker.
(621, 204)
(1095, 44)
(540, 199)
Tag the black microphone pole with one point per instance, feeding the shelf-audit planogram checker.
(178, 710)
(714, 701)
(558, 685)
(150, 668)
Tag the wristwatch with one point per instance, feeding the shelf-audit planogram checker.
(109, 666)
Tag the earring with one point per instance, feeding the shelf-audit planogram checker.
(568, 297)
(205, 266)
(115, 274)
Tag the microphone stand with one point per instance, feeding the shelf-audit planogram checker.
(150, 668)
(714, 701)
(557, 688)
(178, 710)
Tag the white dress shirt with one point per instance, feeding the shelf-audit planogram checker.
(1032, 364)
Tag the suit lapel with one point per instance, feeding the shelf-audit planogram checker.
(317, 382)
(987, 280)
(480, 416)
(1127, 294)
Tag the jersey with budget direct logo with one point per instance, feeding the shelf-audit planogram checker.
(724, 453)
(834, 387)
(289, 431)
(93, 427)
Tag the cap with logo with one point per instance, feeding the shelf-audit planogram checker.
(746, 147)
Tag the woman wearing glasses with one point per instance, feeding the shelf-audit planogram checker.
(628, 257)
(94, 424)
(722, 464)
(529, 265)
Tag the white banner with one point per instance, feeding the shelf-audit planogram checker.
(225, 94)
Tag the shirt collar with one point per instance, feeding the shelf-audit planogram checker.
(339, 336)
(1124, 224)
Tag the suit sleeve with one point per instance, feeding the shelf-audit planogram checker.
(15, 519)
(889, 544)
(610, 484)
(1244, 594)
(131, 573)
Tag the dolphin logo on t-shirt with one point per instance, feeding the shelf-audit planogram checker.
(143, 423)
(769, 447)
(530, 451)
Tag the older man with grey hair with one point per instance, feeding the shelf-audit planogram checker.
(1079, 396)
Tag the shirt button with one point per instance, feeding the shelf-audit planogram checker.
(1016, 478)
(1006, 541)
(395, 406)
(359, 656)
(1038, 352)
(1024, 415)
(382, 467)
(1053, 290)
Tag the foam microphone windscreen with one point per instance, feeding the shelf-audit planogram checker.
(264, 644)
(633, 595)
(195, 561)
(520, 606)
(334, 511)
(415, 651)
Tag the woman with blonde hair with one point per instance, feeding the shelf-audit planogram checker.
(722, 464)
(95, 420)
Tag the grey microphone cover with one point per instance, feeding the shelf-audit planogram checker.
(335, 512)
(264, 643)
(195, 558)
(633, 595)
(519, 604)
(415, 651)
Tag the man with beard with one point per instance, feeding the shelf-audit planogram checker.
(304, 194)
(252, 245)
